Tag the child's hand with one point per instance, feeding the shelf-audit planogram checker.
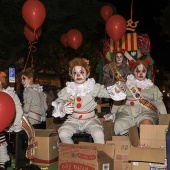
(68, 107)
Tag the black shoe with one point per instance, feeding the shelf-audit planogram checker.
(8, 164)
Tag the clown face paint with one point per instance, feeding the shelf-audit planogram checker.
(25, 81)
(140, 72)
(119, 58)
(79, 74)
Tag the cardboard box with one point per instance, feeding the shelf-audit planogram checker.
(154, 155)
(151, 148)
(154, 136)
(108, 126)
(46, 152)
(82, 156)
(164, 119)
(134, 136)
(140, 166)
(109, 150)
(122, 149)
(53, 123)
(147, 166)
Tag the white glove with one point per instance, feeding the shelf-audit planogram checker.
(116, 93)
(68, 108)
(60, 109)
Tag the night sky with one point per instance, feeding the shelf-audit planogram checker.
(145, 11)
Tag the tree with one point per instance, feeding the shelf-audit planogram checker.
(164, 21)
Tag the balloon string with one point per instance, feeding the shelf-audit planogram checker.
(31, 47)
(35, 42)
(36, 36)
(131, 9)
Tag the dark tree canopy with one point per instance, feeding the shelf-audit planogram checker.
(61, 16)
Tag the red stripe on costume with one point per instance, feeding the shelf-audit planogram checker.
(33, 119)
(83, 112)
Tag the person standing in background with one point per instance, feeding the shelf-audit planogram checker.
(34, 100)
(16, 125)
(116, 71)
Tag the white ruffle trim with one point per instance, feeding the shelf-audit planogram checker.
(80, 89)
(35, 87)
(144, 84)
(8, 90)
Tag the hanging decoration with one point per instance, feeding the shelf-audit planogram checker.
(131, 25)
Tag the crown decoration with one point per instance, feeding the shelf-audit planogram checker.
(131, 26)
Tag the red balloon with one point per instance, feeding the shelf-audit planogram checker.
(34, 13)
(106, 12)
(7, 110)
(74, 38)
(30, 34)
(116, 27)
(63, 39)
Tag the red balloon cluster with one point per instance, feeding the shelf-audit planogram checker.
(33, 12)
(7, 110)
(63, 39)
(116, 27)
(72, 38)
(30, 34)
(106, 12)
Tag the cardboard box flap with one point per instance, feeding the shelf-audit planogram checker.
(103, 157)
(121, 146)
(153, 135)
(49, 121)
(134, 136)
(164, 119)
(120, 138)
(109, 150)
(154, 155)
(44, 132)
(53, 123)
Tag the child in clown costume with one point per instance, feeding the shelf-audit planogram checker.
(35, 100)
(16, 125)
(77, 100)
(144, 101)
